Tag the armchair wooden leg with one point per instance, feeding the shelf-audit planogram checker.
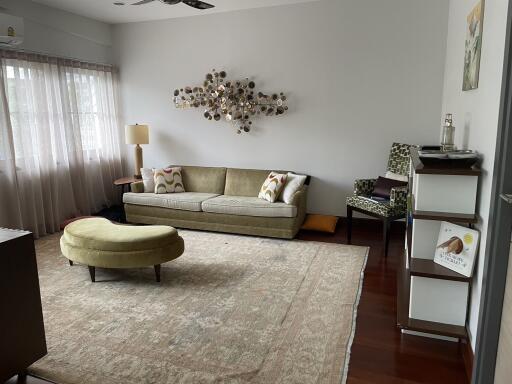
(92, 272)
(157, 272)
(70, 262)
(386, 224)
(349, 224)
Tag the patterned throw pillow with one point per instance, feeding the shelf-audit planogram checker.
(168, 180)
(272, 186)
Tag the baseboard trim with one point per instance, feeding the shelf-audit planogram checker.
(467, 357)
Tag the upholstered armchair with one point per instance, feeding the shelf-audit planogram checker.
(393, 209)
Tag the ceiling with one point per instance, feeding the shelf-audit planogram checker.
(106, 11)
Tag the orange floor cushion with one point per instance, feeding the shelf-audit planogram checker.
(321, 223)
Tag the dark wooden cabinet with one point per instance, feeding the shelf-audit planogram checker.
(22, 339)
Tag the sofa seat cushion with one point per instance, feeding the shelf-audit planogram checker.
(248, 206)
(187, 201)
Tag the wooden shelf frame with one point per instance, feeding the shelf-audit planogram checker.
(420, 168)
(429, 268)
(406, 323)
(445, 216)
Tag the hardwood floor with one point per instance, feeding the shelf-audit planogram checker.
(380, 352)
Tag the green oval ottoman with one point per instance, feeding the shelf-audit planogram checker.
(97, 242)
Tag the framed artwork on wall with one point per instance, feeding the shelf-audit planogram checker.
(473, 47)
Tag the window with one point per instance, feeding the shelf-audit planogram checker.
(47, 102)
(85, 113)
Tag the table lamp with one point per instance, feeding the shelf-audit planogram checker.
(137, 134)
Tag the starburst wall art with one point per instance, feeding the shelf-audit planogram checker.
(234, 100)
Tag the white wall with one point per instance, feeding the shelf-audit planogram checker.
(55, 32)
(476, 112)
(359, 75)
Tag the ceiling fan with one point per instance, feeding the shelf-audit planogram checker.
(191, 3)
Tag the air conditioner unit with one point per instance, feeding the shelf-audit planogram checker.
(11, 30)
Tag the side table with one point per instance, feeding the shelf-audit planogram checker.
(125, 181)
(122, 182)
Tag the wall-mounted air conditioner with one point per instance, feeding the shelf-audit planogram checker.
(11, 30)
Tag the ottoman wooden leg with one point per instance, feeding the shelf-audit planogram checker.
(70, 262)
(157, 272)
(92, 272)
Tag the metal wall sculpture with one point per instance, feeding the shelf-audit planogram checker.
(236, 101)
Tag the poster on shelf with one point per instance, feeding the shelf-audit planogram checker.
(456, 248)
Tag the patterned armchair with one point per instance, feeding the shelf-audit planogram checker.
(387, 211)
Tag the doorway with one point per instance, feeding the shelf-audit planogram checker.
(494, 337)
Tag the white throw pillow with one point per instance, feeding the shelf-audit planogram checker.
(168, 180)
(293, 184)
(148, 178)
(396, 176)
(272, 186)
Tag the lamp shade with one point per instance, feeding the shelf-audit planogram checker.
(136, 134)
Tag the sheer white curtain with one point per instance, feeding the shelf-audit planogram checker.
(59, 140)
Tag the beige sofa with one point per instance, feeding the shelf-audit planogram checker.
(218, 199)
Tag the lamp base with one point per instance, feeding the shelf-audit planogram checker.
(138, 161)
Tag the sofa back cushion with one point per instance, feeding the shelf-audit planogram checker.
(203, 179)
(244, 182)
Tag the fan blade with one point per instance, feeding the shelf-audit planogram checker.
(197, 4)
(143, 2)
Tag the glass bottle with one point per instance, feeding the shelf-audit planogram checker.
(448, 136)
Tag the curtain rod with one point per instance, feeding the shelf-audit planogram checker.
(21, 50)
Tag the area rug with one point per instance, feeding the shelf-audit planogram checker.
(231, 309)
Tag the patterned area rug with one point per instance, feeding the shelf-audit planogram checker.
(232, 309)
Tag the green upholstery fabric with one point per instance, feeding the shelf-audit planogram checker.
(248, 206)
(189, 201)
(398, 198)
(203, 179)
(281, 227)
(398, 162)
(364, 187)
(137, 187)
(196, 179)
(98, 242)
(113, 259)
(244, 182)
(100, 233)
(231, 182)
(384, 209)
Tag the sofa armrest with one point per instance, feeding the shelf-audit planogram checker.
(299, 196)
(364, 187)
(398, 197)
(137, 187)
(299, 200)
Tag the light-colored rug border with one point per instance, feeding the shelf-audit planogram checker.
(354, 319)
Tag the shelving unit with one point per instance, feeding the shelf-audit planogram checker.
(432, 299)
(423, 326)
(427, 268)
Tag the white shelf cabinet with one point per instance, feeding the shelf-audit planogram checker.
(438, 297)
